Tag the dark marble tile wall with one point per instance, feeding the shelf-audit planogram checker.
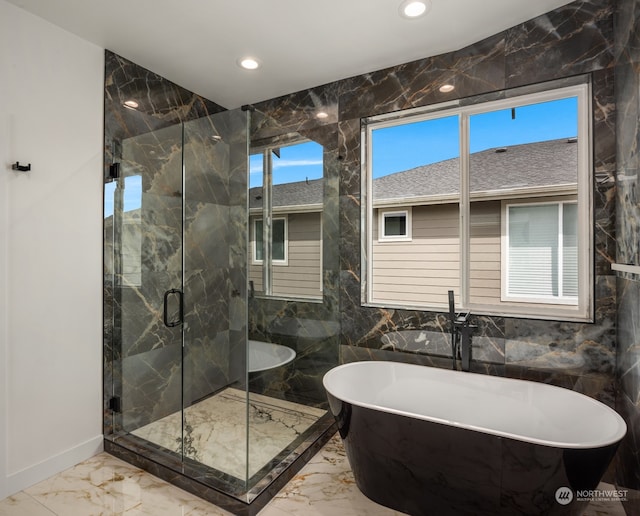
(571, 44)
(628, 365)
(311, 328)
(628, 104)
(161, 103)
(627, 49)
(143, 357)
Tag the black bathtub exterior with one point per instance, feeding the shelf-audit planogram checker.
(425, 468)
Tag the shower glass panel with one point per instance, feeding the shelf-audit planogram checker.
(147, 259)
(215, 239)
(292, 330)
(176, 246)
(293, 254)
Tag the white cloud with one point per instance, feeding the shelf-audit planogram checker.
(280, 163)
(256, 168)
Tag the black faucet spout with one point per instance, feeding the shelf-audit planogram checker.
(465, 346)
(461, 332)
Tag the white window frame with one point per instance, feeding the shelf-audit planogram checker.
(584, 310)
(383, 214)
(504, 265)
(254, 242)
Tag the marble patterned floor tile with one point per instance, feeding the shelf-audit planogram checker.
(216, 430)
(605, 508)
(105, 485)
(21, 504)
(325, 485)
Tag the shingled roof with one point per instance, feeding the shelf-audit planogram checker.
(301, 193)
(530, 165)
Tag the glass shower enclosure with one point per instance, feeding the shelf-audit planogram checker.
(176, 311)
(175, 221)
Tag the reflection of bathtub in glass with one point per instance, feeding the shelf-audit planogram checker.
(545, 356)
(588, 356)
(418, 341)
(266, 355)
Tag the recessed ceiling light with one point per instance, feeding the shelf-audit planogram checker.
(131, 104)
(248, 63)
(446, 88)
(322, 114)
(414, 9)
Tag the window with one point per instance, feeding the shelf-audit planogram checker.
(278, 238)
(286, 186)
(540, 259)
(394, 225)
(491, 200)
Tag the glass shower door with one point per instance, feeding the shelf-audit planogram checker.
(147, 238)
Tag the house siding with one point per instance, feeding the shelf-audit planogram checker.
(423, 270)
(484, 249)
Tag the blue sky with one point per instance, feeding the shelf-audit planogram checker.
(408, 146)
(400, 148)
(296, 163)
(132, 194)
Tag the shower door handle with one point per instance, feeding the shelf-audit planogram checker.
(165, 311)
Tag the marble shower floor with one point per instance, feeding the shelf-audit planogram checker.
(105, 486)
(216, 430)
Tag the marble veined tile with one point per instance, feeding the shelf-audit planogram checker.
(105, 485)
(325, 485)
(21, 504)
(605, 508)
(215, 430)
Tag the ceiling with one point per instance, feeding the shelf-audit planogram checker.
(300, 43)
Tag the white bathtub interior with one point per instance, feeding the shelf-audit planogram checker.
(518, 409)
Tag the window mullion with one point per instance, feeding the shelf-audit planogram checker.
(366, 219)
(560, 250)
(464, 210)
(267, 222)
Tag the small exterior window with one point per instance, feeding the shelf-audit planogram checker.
(279, 238)
(394, 225)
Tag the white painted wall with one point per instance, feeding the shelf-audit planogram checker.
(51, 115)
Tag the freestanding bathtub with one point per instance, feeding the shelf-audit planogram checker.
(430, 441)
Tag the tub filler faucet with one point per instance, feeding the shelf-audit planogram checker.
(460, 335)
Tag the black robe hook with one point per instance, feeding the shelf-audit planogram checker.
(21, 168)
